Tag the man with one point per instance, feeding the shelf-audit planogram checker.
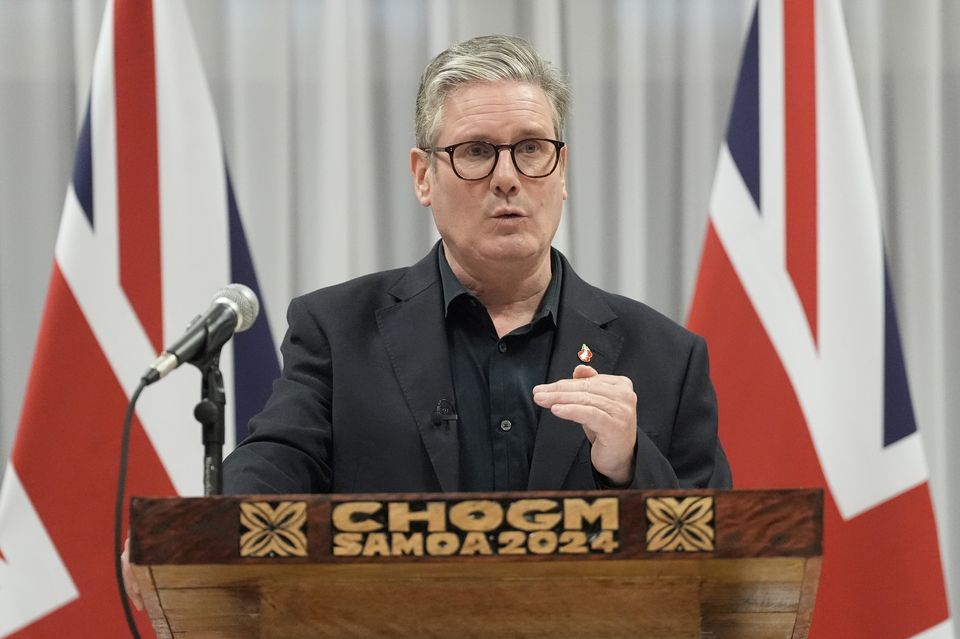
(488, 365)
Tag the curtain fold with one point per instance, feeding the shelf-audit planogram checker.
(315, 98)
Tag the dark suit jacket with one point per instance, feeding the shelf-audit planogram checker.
(366, 361)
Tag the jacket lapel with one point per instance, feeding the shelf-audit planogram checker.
(415, 336)
(583, 319)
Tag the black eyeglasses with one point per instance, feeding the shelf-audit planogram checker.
(476, 160)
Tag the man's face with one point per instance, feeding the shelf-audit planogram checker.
(506, 217)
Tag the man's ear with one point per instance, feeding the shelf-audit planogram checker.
(420, 168)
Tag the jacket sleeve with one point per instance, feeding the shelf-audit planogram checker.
(693, 457)
(696, 454)
(289, 447)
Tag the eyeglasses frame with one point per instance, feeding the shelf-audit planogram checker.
(498, 148)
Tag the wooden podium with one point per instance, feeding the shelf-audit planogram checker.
(669, 564)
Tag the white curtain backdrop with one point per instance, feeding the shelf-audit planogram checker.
(315, 100)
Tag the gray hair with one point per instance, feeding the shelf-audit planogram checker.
(486, 59)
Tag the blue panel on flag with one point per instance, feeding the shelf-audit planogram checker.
(898, 419)
(743, 133)
(83, 169)
(254, 356)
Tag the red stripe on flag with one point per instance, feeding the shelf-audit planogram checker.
(67, 456)
(800, 136)
(138, 193)
(881, 572)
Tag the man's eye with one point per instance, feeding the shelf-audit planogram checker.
(477, 150)
(530, 147)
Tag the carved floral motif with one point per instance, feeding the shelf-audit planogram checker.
(273, 529)
(680, 525)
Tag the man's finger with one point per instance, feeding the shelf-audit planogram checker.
(602, 385)
(602, 395)
(597, 419)
(590, 433)
(595, 381)
(583, 371)
(605, 404)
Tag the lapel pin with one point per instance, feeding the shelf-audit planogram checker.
(585, 354)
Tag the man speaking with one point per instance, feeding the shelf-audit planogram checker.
(488, 365)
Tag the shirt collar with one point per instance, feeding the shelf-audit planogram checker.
(549, 305)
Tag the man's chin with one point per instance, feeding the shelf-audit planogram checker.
(515, 250)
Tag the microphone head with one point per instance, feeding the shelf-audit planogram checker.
(243, 301)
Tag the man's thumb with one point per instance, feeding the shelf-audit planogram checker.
(582, 371)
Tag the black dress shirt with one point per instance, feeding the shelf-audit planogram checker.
(493, 379)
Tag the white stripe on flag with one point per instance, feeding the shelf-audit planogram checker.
(28, 552)
(839, 377)
(195, 240)
(940, 631)
(772, 145)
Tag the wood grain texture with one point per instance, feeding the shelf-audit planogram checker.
(808, 597)
(760, 580)
(555, 607)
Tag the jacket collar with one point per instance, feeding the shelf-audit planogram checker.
(415, 337)
(585, 318)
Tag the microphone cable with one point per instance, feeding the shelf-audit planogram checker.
(118, 509)
(206, 334)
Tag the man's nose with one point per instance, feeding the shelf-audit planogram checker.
(506, 177)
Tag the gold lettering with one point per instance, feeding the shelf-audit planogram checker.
(480, 515)
(533, 514)
(354, 516)
(511, 542)
(411, 544)
(542, 542)
(347, 544)
(475, 543)
(577, 512)
(376, 544)
(401, 516)
(573, 542)
(442, 543)
(604, 541)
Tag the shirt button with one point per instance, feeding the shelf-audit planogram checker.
(505, 425)
(502, 346)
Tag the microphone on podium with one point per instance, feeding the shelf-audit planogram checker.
(233, 310)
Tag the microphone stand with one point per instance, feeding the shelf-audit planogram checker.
(210, 413)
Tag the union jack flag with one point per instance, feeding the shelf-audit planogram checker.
(149, 230)
(794, 299)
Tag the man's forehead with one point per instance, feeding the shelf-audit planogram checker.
(507, 90)
(480, 104)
